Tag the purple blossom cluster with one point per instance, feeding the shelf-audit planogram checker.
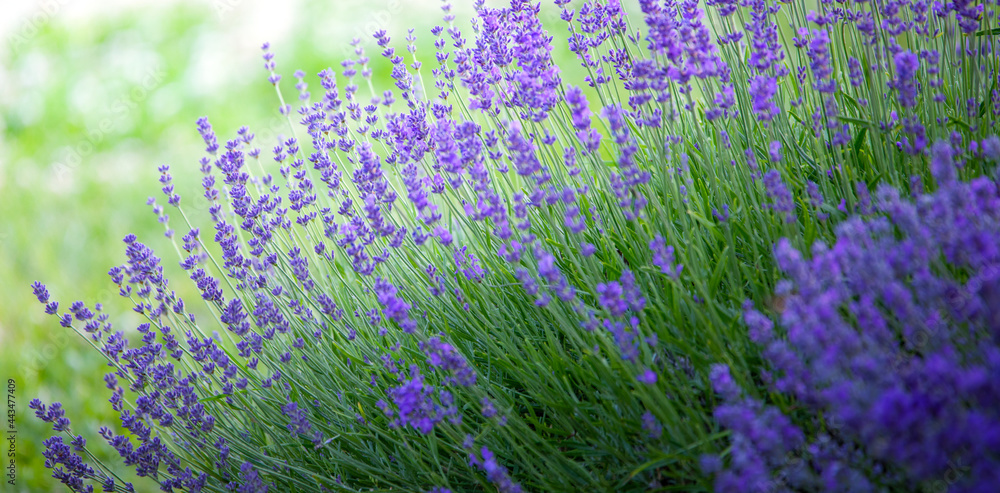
(770, 453)
(168, 399)
(442, 355)
(416, 406)
(495, 473)
(781, 198)
(892, 337)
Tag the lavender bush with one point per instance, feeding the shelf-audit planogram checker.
(488, 278)
(893, 338)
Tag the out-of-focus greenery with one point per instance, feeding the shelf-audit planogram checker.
(88, 110)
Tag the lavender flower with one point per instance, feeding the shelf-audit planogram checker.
(442, 355)
(647, 377)
(774, 150)
(781, 197)
(393, 306)
(865, 379)
(663, 257)
(762, 91)
(907, 65)
(495, 473)
(651, 425)
(415, 405)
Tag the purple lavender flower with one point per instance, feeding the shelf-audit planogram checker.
(514, 39)
(651, 426)
(393, 306)
(40, 292)
(626, 339)
(647, 377)
(942, 163)
(495, 473)
(819, 62)
(610, 297)
(298, 420)
(774, 150)
(855, 72)
(781, 197)
(488, 409)
(442, 355)
(769, 452)
(580, 118)
(894, 402)
(991, 148)
(469, 265)
(724, 7)
(252, 482)
(415, 405)
(762, 91)
(767, 53)
(907, 64)
(723, 215)
(903, 382)
(205, 129)
(663, 257)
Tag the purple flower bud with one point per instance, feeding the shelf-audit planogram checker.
(781, 197)
(663, 257)
(774, 150)
(647, 377)
(907, 64)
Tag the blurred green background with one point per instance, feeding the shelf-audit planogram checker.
(94, 95)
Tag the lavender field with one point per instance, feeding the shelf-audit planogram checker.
(689, 245)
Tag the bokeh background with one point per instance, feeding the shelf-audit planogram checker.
(94, 95)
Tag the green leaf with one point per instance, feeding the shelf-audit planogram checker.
(982, 105)
(856, 121)
(796, 117)
(667, 458)
(554, 243)
(720, 268)
(219, 397)
(860, 139)
(849, 98)
(953, 120)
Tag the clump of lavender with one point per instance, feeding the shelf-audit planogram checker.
(892, 336)
(485, 276)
